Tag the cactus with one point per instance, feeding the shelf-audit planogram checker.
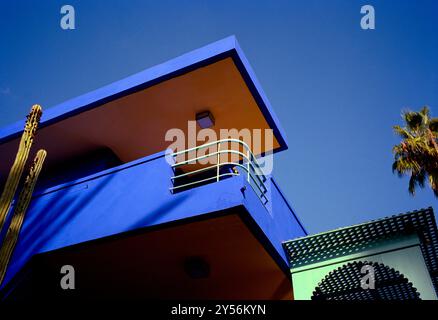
(16, 172)
(19, 212)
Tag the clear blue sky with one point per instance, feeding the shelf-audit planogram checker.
(336, 88)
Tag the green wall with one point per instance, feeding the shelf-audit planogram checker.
(402, 253)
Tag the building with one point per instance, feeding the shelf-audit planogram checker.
(399, 252)
(135, 220)
(134, 225)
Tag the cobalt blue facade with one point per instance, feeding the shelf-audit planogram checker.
(136, 195)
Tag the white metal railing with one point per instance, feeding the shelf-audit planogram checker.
(247, 162)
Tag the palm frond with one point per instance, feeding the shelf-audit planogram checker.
(417, 154)
(433, 126)
(402, 132)
(413, 120)
(411, 187)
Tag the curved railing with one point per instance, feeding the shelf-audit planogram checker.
(247, 162)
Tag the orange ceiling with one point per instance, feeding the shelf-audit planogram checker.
(135, 125)
(150, 264)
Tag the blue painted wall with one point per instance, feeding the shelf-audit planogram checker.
(277, 220)
(136, 195)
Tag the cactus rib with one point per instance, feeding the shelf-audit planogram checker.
(19, 212)
(20, 161)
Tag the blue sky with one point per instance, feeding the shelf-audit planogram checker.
(336, 88)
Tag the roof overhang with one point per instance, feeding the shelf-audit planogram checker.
(152, 263)
(131, 116)
(312, 249)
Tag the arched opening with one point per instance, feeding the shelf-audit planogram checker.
(345, 283)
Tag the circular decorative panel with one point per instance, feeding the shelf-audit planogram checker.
(345, 283)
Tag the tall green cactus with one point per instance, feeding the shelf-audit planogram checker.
(16, 172)
(19, 212)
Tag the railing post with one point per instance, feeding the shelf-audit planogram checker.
(218, 160)
(258, 182)
(248, 154)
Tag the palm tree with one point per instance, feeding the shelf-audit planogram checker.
(417, 154)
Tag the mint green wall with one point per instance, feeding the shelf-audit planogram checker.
(402, 254)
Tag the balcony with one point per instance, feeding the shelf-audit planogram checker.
(221, 162)
(114, 205)
(142, 197)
